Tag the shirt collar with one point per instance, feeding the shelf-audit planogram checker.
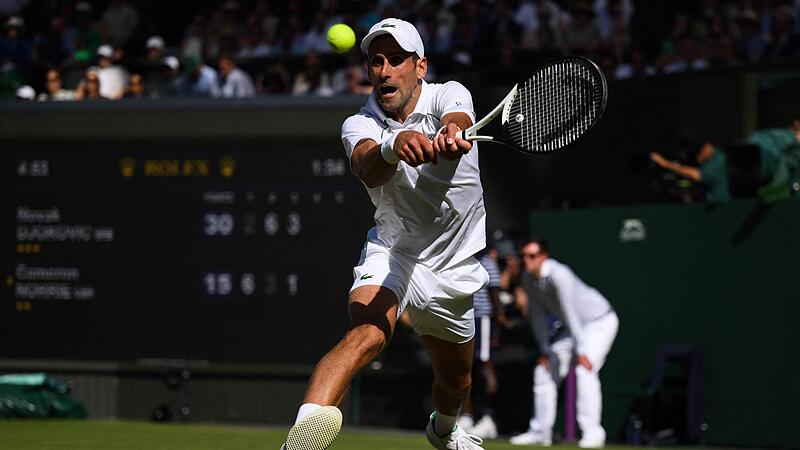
(421, 108)
(546, 269)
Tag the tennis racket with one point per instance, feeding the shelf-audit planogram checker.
(555, 107)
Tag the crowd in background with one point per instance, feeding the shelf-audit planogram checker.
(114, 49)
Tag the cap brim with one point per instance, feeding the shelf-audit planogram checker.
(367, 41)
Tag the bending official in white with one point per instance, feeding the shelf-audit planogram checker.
(553, 288)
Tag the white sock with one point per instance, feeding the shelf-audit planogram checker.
(305, 410)
(444, 424)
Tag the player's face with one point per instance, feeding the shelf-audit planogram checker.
(533, 257)
(395, 76)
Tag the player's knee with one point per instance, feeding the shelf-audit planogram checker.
(456, 383)
(367, 340)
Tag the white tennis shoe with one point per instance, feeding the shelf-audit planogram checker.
(316, 431)
(531, 437)
(484, 428)
(457, 440)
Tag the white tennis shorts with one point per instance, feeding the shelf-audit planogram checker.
(439, 304)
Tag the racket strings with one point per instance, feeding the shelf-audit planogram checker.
(555, 107)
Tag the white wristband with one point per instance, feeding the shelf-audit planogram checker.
(387, 150)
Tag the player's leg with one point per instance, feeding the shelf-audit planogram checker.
(452, 372)
(373, 313)
(599, 336)
(441, 312)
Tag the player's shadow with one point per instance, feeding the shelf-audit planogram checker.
(373, 314)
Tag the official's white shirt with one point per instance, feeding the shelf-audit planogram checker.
(560, 292)
(431, 213)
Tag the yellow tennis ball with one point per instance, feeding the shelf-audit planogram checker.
(341, 37)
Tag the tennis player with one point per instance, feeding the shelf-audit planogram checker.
(429, 222)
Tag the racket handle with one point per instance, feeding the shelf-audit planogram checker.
(463, 133)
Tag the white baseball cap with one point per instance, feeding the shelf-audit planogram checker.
(171, 62)
(155, 42)
(403, 32)
(26, 93)
(15, 21)
(105, 50)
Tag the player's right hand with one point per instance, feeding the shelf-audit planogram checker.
(414, 148)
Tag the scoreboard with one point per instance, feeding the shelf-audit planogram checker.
(200, 251)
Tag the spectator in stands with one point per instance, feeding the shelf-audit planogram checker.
(268, 21)
(198, 80)
(510, 295)
(136, 87)
(225, 31)
(751, 41)
(785, 42)
(193, 43)
(52, 48)
(687, 56)
(254, 43)
(155, 48)
(120, 20)
(636, 65)
(357, 83)
(369, 15)
(113, 78)
(88, 33)
(542, 24)
(711, 171)
(471, 32)
(236, 83)
(501, 24)
(275, 79)
(434, 35)
(89, 87)
(294, 37)
(54, 89)
(14, 48)
(583, 35)
(352, 78)
(164, 83)
(612, 16)
(313, 79)
(316, 38)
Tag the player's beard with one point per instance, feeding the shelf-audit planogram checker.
(396, 105)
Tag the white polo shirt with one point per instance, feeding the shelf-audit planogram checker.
(560, 292)
(433, 214)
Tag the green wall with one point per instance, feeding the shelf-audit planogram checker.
(723, 279)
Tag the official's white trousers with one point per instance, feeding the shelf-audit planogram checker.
(599, 336)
